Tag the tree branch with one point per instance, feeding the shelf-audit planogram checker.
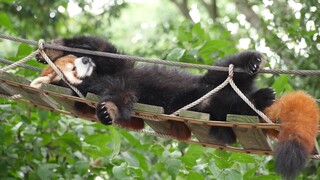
(211, 8)
(251, 16)
(183, 7)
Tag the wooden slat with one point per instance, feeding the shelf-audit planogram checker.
(92, 97)
(201, 132)
(158, 126)
(6, 89)
(34, 97)
(67, 104)
(253, 139)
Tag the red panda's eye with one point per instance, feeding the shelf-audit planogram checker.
(74, 68)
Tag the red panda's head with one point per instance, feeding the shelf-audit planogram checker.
(73, 68)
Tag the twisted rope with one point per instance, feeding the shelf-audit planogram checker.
(230, 81)
(4, 61)
(12, 97)
(156, 61)
(22, 61)
(206, 96)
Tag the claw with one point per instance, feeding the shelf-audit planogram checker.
(103, 103)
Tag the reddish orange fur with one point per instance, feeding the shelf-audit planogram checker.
(60, 63)
(179, 130)
(299, 116)
(133, 123)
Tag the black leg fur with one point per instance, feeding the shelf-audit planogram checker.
(227, 101)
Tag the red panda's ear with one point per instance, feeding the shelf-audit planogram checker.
(47, 71)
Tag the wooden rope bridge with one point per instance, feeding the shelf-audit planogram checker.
(248, 130)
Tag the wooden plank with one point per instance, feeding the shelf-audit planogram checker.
(92, 97)
(32, 96)
(253, 139)
(158, 126)
(66, 103)
(6, 89)
(201, 132)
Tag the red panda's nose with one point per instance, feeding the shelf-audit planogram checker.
(85, 60)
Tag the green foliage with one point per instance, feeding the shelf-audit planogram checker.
(39, 144)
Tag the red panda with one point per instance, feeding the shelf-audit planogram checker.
(298, 114)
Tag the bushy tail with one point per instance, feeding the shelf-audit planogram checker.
(179, 130)
(298, 113)
(291, 157)
(133, 123)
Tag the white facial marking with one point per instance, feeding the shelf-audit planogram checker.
(84, 67)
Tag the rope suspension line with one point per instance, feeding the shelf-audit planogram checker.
(156, 61)
(4, 61)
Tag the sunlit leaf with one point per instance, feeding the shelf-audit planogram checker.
(5, 20)
(173, 166)
(120, 171)
(176, 54)
(45, 171)
(116, 141)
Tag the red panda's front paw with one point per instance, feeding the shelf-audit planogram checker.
(107, 112)
(263, 98)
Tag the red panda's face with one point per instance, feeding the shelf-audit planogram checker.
(74, 69)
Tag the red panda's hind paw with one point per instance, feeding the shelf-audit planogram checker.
(107, 112)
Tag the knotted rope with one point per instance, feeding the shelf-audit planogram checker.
(230, 81)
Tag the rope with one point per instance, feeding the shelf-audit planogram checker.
(4, 61)
(22, 61)
(157, 61)
(56, 69)
(206, 96)
(230, 81)
(13, 97)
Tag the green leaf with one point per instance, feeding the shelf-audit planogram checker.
(173, 166)
(116, 141)
(24, 50)
(222, 159)
(231, 174)
(25, 119)
(282, 84)
(120, 171)
(98, 139)
(5, 21)
(7, 1)
(142, 161)
(46, 138)
(213, 50)
(250, 173)
(198, 32)
(43, 114)
(70, 140)
(45, 171)
(81, 167)
(130, 159)
(266, 177)
(195, 175)
(192, 154)
(176, 54)
(242, 158)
